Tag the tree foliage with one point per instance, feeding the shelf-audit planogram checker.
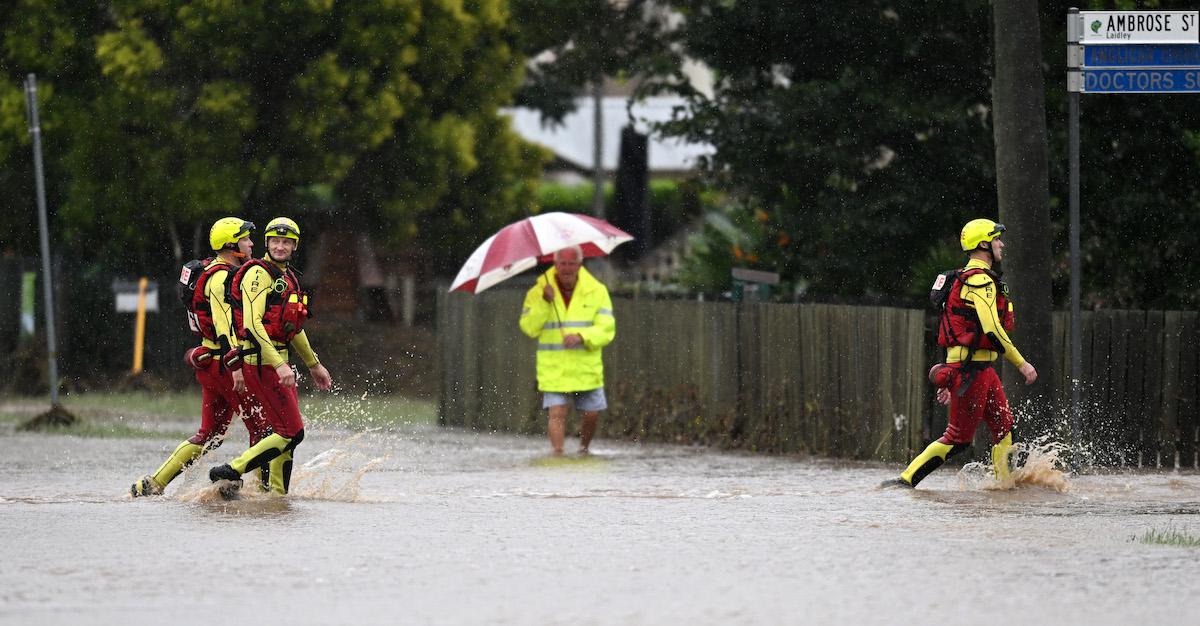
(164, 115)
(857, 138)
(864, 136)
(575, 42)
(1139, 196)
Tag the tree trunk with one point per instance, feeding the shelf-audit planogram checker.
(1019, 112)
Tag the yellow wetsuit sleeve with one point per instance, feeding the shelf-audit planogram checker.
(982, 297)
(304, 349)
(222, 311)
(536, 310)
(256, 286)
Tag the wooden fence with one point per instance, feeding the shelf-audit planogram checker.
(1138, 386)
(830, 380)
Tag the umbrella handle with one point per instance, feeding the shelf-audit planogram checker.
(554, 307)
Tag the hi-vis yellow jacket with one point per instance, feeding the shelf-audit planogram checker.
(590, 315)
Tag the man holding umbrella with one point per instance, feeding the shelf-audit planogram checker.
(570, 314)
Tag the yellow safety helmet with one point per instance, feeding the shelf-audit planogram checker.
(227, 231)
(979, 231)
(283, 227)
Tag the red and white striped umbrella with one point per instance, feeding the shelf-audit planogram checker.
(522, 245)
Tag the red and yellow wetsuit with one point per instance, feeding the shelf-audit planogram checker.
(266, 342)
(975, 327)
(983, 399)
(218, 399)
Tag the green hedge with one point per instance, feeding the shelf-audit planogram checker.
(673, 204)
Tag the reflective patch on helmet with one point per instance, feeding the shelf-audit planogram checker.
(939, 282)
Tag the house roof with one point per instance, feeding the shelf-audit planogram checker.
(572, 141)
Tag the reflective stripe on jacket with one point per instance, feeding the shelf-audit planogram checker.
(590, 315)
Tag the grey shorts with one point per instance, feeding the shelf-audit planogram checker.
(584, 400)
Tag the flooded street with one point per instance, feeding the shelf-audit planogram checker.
(417, 524)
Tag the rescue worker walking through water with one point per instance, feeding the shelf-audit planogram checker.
(570, 314)
(222, 392)
(973, 328)
(269, 314)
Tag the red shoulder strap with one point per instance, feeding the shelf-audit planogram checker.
(235, 281)
(210, 269)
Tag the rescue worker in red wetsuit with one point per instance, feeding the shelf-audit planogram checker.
(222, 392)
(973, 329)
(270, 321)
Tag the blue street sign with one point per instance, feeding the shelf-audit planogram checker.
(1143, 55)
(1140, 80)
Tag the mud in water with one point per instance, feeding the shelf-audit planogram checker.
(1040, 464)
(417, 525)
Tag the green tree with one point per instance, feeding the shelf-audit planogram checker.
(865, 133)
(857, 137)
(1139, 195)
(165, 115)
(575, 44)
(454, 171)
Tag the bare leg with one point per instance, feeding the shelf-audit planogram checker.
(556, 427)
(587, 428)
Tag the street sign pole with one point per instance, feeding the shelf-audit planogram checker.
(1073, 36)
(35, 131)
(1118, 52)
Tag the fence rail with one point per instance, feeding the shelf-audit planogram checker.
(1139, 386)
(831, 380)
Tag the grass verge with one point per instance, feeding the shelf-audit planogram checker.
(1169, 537)
(106, 414)
(366, 411)
(171, 404)
(96, 430)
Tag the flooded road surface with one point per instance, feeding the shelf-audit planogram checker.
(416, 524)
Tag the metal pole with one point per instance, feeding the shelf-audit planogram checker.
(1076, 342)
(598, 145)
(35, 131)
(1076, 272)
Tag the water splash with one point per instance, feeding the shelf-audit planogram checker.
(1038, 463)
(333, 474)
(336, 473)
(211, 493)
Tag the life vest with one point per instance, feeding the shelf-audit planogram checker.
(286, 306)
(193, 280)
(959, 324)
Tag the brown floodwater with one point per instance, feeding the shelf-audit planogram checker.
(416, 524)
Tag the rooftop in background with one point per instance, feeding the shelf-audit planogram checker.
(572, 141)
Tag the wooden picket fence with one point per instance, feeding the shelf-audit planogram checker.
(831, 380)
